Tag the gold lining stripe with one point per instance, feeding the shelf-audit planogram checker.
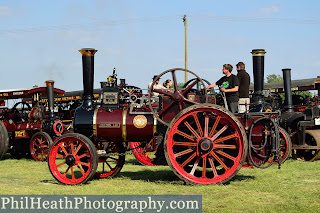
(95, 123)
(124, 128)
(154, 125)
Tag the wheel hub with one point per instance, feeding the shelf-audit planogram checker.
(70, 160)
(205, 146)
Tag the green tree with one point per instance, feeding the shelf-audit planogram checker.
(274, 78)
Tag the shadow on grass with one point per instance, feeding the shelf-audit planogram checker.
(153, 176)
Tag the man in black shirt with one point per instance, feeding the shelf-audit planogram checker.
(244, 83)
(230, 86)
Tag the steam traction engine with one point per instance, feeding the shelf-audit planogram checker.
(202, 143)
(29, 129)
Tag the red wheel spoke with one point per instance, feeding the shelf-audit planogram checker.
(83, 155)
(225, 155)
(185, 135)
(60, 156)
(72, 174)
(61, 164)
(206, 126)
(64, 150)
(165, 109)
(225, 138)
(214, 126)
(220, 161)
(188, 160)
(195, 165)
(81, 170)
(84, 164)
(183, 152)
(77, 150)
(198, 123)
(225, 146)
(191, 129)
(204, 167)
(183, 143)
(72, 149)
(219, 132)
(66, 172)
(185, 91)
(214, 170)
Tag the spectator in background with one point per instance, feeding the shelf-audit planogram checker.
(167, 84)
(156, 85)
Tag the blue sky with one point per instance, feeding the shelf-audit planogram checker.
(40, 39)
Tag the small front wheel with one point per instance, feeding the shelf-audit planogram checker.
(39, 146)
(73, 159)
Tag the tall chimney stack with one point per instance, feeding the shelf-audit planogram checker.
(258, 75)
(288, 104)
(88, 75)
(50, 95)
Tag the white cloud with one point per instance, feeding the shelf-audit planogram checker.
(269, 10)
(5, 11)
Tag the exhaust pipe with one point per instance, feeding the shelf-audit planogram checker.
(258, 75)
(88, 76)
(288, 104)
(50, 94)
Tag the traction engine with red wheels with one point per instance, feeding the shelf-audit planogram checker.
(203, 143)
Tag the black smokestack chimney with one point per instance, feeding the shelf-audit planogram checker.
(88, 75)
(258, 75)
(288, 106)
(50, 95)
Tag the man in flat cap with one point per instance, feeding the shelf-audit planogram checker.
(156, 85)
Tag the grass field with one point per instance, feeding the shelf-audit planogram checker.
(293, 188)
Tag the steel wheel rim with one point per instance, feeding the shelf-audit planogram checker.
(220, 164)
(142, 157)
(39, 148)
(67, 147)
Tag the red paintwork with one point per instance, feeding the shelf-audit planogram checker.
(115, 133)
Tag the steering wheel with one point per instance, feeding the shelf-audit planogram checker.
(204, 80)
(178, 98)
(22, 111)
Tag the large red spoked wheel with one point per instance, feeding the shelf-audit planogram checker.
(73, 159)
(39, 146)
(205, 144)
(179, 98)
(111, 160)
(144, 153)
(4, 140)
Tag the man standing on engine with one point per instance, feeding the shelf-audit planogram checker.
(230, 86)
(244, 83)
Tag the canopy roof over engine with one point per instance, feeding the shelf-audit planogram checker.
(28, 93)
(300, 85)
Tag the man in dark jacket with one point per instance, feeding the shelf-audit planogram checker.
(244, 83)
(230, 86)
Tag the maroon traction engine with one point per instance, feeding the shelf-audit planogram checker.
(202, 143)
(26, 129)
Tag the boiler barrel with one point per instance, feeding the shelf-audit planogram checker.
(119, 125)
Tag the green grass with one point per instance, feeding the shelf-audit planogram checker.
(293, 188)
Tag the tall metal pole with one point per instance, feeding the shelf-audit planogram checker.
(186, 47)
